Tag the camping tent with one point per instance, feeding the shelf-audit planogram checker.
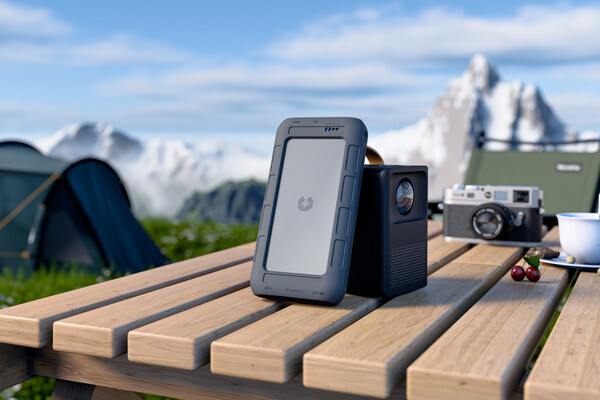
(55, 212)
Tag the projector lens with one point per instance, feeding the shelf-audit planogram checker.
(405, 196)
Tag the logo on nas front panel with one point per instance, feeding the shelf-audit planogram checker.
(305, 204)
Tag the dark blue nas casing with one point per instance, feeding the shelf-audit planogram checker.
(389, 256)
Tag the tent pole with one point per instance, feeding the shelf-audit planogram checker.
(21, 206)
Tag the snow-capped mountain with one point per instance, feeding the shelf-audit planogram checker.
(477, 104)
(159, 174)
(99, 140)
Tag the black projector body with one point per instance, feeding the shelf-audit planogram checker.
(389, 254)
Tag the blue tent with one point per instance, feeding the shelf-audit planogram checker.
(55, 212)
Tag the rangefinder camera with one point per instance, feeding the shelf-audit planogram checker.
(501, 215)
(389, 254)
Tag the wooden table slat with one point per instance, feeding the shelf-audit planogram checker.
(103, 332)
(371, 356)
(484, 354)
(183, 340)
(13, 365)
(30, 324)
(439, 253)
(569, 364)
(488, 254)
(120, 373)
(271, 349)
(434, 228)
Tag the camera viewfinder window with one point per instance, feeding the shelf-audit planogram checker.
(521, 196)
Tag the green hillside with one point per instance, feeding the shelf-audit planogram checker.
(230, 203)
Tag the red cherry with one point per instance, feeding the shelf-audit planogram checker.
(517, 272)
(533, 274)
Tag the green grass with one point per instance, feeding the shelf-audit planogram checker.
(16, 288)
(187, 239)
(177, 240)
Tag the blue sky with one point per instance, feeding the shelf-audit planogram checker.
(235, 69)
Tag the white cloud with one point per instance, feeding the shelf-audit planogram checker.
(117, 49)
(533, 35)
(124, 49)
(34, 36)
(22, 22)
(245, 110)
(368, 63)
(268, 77)
(239, 96)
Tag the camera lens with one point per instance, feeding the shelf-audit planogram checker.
(405, 196)
(487, 223)
(490, 221)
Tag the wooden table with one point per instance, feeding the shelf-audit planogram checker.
(195, 330)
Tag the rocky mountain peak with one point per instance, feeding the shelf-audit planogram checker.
(480, 74)
(93, 139)
(477, 105)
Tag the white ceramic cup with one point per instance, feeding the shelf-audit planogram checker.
(580, 236)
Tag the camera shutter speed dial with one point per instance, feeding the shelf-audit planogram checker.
(491, 221)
